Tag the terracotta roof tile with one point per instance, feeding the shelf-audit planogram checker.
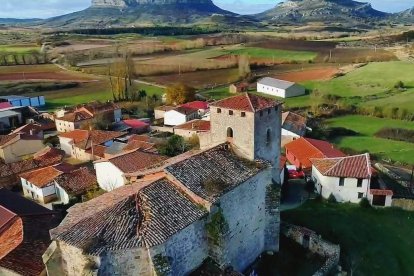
(185, 110)
(135, 123)
(76, 135)
(358, 166)
(76, 116)
(381, 192)
(144, 146)
(97, 150)
(294, 122)
(305, 148)
(42, 177)
(77, 182)
(136, 160)
(199, 105)
(32, 128)
(196, 125)
(247, 102)
(4, 139)
(85, 138)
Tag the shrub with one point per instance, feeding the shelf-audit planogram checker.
(364, 203)
(399, 85)
(174, 146)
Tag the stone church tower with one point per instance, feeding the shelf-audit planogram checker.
(252, 124)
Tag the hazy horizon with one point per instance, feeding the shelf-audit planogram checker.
(48, 8)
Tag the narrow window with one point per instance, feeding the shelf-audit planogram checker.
(229, 132)
(243, 114)
(268, 137)
(341, 181)
(261, 113)
(269, 111)
(360, 195)
(218, 110)
(230, 112)
(359, 184)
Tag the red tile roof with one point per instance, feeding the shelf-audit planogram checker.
(135, 137)
(85, 138)
(358, 166)
(135, 123)
(5, 217)
(32, 128)
(381, 192)
(185, 110)
(76, 116)
(196, 105)
(77, 182)
(247, 102)
(42, 177)
(4, 139)
(144, 146)
(196, 125)
(294, 122)
(77, 135)
(305, 148)
(136, 160)
(97, 150)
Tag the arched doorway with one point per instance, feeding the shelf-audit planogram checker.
(230, 133)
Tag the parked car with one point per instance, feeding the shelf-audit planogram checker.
(295, 173)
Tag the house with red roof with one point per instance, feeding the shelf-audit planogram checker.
(191, 128)
(174, 116)
(136, 126)
(16, 147)
(300, 151)
(347, 178)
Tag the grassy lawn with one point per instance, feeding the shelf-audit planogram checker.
(278, 55)
(217, 93)
(21, 49)
(374, 241)
(375, 78)
(367, 127)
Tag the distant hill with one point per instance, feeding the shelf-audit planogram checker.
(327, 11)
(405, 16)
(16, 21)
(110, 13)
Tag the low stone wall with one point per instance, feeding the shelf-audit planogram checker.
(314, 243)
(162, 129)
(403, 203)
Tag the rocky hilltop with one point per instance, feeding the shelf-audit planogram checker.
(135, 3)
(304, 11)
(405, 16)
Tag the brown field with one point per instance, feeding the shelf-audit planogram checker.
(308, 75)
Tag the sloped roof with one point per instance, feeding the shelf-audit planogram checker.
(135, 123)
(144, 214)
(219, 166)
(44, 176)
(76, 116)
(85, 138)
(4, 139)
(196, 105)
(247, 102)
(76, 135)
(77, 182)
(31, 128)
(282, 84)
(185, 110)
(358, 166)
(305, 148)
(136, 160)
(294, 122)
(196, 125)
(4, 105)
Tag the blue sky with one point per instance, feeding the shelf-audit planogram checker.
(48, 8)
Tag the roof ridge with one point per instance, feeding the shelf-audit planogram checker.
(336, 164)
(250, 101)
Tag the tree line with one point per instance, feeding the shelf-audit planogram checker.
(34, 57)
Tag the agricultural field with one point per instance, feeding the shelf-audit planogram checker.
(19, 49)
(274, 55)
(366, 127)
(373, 241)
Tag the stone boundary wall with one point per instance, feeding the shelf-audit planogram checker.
(162, 129)
(314, 243)
(391, 174)
(403, 203)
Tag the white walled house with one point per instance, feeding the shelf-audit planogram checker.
(280, 88)
(180, 115)
(348, 178)
(110, 172)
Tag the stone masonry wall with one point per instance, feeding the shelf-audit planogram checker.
(126, 262)
(74, 263)
(327, 250)
(244, 211)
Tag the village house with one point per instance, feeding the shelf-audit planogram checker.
(159, 112)
(348, 178)
(17, 147)
(300, 151)
(9, 173)
(180, 115)
(293, 125)
(137, 126)
(192, 128)
(12, 117)
(87, 145)
(187, 210)
(81, 115)
(111, 172)
(24, 234)
(280, 88)
(133, 142)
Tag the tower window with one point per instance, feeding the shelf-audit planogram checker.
(261, 113)
(268, 137)
(229, 132)
(243, 114)
(218, 110)
(269, 111)
(230, 112)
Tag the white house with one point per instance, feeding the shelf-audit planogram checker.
(110, 172)
(348, 178)
(279, 88)
(180, 115)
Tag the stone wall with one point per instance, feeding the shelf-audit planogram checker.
(403, 203)
(74, 262)
(126, 262)
(314, 243)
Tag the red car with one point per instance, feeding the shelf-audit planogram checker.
(295, 173)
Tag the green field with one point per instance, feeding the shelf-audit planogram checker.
(365, 141)
(21, 49)
(374, 241)
(277, 55)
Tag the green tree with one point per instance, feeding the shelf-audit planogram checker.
(175, 145)
(180, 93)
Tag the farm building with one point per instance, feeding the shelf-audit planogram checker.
(24, 234)
(293, 125)
(300, 151)
(238, 88)
(279, 88)
(14, 100)
(348, 178)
